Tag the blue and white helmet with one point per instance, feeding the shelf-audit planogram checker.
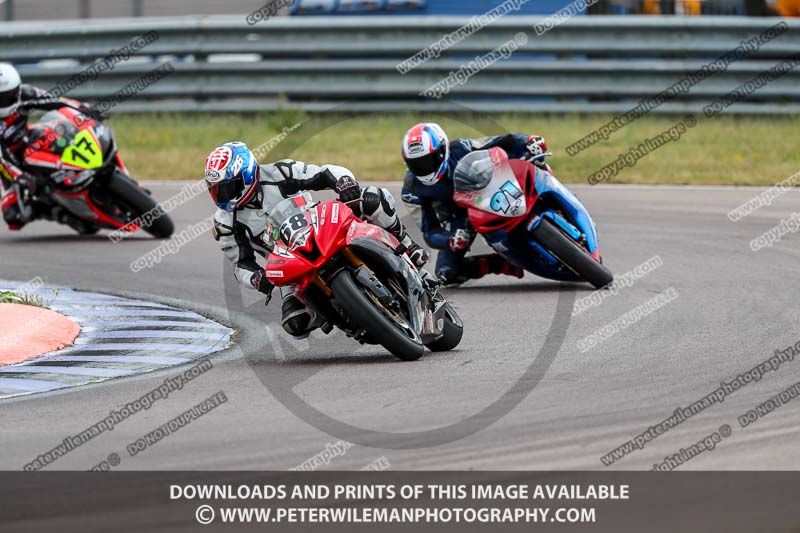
(232, 173)
(425, 151)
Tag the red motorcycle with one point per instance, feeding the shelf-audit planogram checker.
(80, 174)
(357, 277)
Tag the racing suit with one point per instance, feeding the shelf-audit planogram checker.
(243, 233)
(14, 139)
(443, 221)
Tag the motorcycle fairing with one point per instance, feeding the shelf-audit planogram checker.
(547, 185)
(487, 182)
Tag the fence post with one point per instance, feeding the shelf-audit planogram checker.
(137, 9)
(9, 9)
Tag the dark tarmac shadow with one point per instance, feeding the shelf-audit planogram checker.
(539, 285)
(377, 355)
(66, 237)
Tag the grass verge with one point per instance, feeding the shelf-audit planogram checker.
(718, 151)
(10, 297)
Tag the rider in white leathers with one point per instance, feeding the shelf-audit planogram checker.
(245, 192)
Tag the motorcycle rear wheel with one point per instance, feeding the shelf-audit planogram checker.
(365, 314)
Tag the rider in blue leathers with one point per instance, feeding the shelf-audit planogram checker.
(428, 187)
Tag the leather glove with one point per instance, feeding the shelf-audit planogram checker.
(348, 189)
(91, 111)
(260, 282)
(536, 146)
(461, 239)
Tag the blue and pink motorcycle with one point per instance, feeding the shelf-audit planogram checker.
(527, 216)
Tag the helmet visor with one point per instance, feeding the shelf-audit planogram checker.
(9, 98)
(226, 191)
(427, 164)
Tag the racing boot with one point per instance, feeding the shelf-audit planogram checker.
(478, 266)
(11, 213)
(17, 202)
(62, 216)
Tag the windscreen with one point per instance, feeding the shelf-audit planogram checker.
(474, 172)
(289, 216)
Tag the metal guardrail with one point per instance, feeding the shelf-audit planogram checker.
(587, 64)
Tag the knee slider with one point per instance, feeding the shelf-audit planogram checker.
(297, 325)
(296, 317)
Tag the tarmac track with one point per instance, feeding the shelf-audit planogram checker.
(734, 308)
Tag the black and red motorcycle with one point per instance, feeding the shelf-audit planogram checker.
(81, 179)
(357, 277)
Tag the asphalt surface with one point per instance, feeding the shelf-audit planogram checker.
(734, 308)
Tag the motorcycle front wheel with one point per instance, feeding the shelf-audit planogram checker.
(381, 325)
(126, 192)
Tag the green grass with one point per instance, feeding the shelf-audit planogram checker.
(10, 297)
(723, 150)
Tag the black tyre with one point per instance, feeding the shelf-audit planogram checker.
(572, 254)
(367, 314)
(126, 192)
(452, 332)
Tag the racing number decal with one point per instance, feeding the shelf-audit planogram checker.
(500, 201)
(292, 226)
(84, 152)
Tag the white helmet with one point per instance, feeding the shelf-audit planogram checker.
(10, 84)
(425, 151)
